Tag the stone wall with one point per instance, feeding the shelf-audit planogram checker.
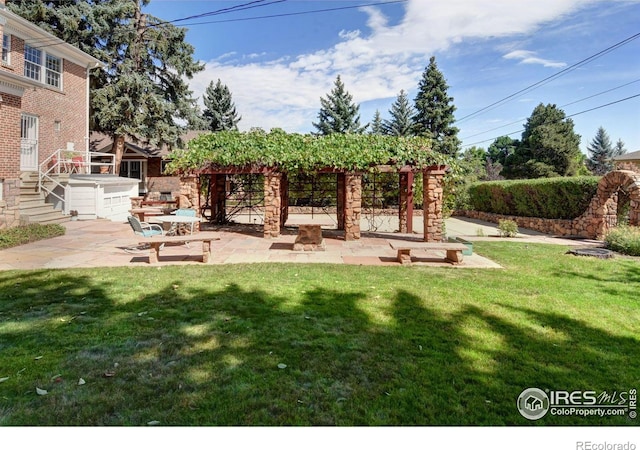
(596, 221)
(190, 195)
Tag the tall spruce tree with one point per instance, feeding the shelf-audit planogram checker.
(376, 124)
(141, 92)
(220, 111)
(601, 153)
(434, 111)
(401, 122)
(619, 148)
(338, 112)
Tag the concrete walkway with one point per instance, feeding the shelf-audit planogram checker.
(102, 243)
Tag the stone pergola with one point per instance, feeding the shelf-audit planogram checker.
(349, 197)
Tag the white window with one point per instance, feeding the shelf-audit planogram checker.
(6, 48)
(42, 67)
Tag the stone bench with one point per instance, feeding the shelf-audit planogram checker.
(157, 242)
(454, 251)
(309, 238)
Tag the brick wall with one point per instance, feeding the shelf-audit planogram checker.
(10, 137)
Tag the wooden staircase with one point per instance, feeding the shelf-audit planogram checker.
(33, 208)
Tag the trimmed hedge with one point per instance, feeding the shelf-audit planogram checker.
(547, 198)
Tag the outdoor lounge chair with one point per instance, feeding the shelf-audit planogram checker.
(145, 229)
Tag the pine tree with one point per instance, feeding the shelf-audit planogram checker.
(338, 113)
(376, 124)
(141, 91)
(220, 111)
(434, 111)
(619, 148)
(601, 151)
(401, 123)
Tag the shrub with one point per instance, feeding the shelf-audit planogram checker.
(549, 198)
(507, 228)
(12, 237)
(624, 239)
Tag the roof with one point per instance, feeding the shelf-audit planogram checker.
(100, 142)
(33, 34)
(633, 156)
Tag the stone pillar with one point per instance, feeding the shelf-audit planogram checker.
(432, 205)
(353, 206)
(190, 195)
(406, 203)
(272, 199)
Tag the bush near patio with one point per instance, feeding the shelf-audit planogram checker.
(12, 237)
(548, 198)
(624, 239)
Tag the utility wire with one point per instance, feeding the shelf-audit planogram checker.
(561, 106)
(566, 117)
(314, 11)
(551, 77)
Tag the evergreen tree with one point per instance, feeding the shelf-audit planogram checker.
(401, 123)
(376, 125)
(619, 148)
(220, 111)
(549, 146)
(434, 111)
(338, 113)
(601, 153)
(141, 91)
(502, 148)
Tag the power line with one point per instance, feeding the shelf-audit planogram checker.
(551, 77)
(566, 117)
(561, 106)
(242, 7)
(299, 13)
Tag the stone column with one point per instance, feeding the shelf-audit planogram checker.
(353, 206)
(190, 195)
(406, 203)
(432, 205)
(272, 199)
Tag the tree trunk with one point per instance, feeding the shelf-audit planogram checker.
(118, 145)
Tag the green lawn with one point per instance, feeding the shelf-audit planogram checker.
(202, 345)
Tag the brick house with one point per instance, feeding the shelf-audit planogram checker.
(628, 161)
(143, 161)
(44, 104)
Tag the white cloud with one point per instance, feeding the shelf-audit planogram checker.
(377, 62)
(528, 57)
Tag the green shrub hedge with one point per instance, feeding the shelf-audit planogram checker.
(548, 198)
(12, 237)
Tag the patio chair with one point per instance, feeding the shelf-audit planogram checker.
(145, 229)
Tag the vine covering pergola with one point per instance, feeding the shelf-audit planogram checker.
(277, 154)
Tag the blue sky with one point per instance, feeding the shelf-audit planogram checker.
(278, 67)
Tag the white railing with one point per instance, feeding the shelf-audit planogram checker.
(70, 162)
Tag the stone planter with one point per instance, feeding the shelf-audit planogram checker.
(459, 240)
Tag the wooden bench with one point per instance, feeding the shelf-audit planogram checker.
(156, 242)
(454, 251)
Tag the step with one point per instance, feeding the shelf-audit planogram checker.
(35, 209)
(53, 216)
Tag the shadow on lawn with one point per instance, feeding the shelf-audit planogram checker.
(182, 356)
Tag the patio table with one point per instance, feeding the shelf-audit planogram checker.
(174, 220)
